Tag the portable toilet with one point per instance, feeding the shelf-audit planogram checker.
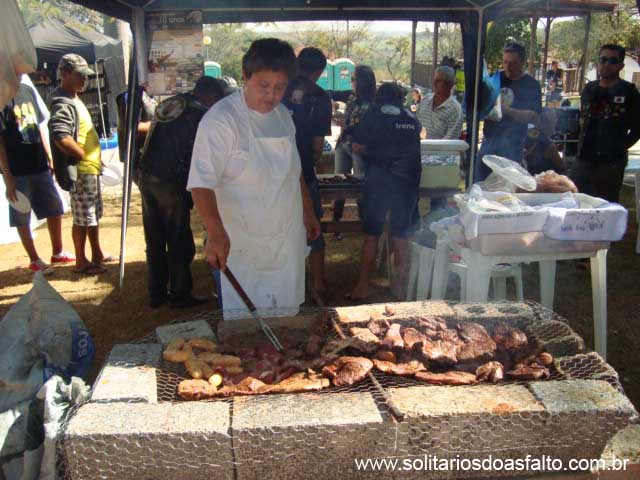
(342, 71)
(212, 69)
(326, 78)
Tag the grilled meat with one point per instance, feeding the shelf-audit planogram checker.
(375, 327)
(545, 358)
(314, 345)
(348, 370)
(534, 371)
(386, 356)
(401, 369)
(365, 341)
(195, 389)
(490, 372)
(332, 349)
(393, 339)
(389, 311)
(431, 324)
(508, 337)
(477, 344)
(299, 382)
(439, 351)
(447, 378)
(413, 337)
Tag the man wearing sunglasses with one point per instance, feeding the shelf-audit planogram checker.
(610, 125)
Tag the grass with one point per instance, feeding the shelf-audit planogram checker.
(115, 315)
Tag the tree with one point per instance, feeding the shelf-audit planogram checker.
(502, 31)
(34, 11)
(397, 58)
(229, 43)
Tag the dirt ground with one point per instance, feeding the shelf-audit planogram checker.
(115, 315)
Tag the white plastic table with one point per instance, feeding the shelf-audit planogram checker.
(633, 168)
(479, 275)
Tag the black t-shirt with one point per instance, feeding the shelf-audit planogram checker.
(536, 145)
(521, 94)
(392, 137)
(310, 108)
(610, 119)
(555, 78)
(19, 126)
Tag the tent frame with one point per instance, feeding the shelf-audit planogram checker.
(467, 11)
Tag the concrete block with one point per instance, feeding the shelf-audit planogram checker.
(308, 436)
(129, 374)
(490, 313)
(403, 310)
(193, 329)
(188, 440)
(624, 445)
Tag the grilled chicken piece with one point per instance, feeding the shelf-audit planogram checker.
(447, 378)
(431, 324)
(534, 371)
(413, 337)
(477, 344)
(439, 351)
(195, 389)
(400, 369)
(490, 372)
(348, 370)
(393, 339)
(299, 382)
(365, 341)
(375, 327)
(386, 356)
(508, 337)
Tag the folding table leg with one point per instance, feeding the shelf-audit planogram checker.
(478, 276)
(547, 282)
(599, 293)
(439, 282)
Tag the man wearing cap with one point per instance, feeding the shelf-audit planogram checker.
(76, 156)
(26, 167)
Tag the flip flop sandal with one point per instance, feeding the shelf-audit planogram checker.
(108, 259)
(90, 269)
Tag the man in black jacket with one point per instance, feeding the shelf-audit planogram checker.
(166, 203)
(389, 139)
(610, 125)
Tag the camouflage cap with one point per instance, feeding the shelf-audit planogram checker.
(74, 63)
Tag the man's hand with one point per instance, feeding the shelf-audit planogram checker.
(311, 224)
(216, 251)
(10, 186)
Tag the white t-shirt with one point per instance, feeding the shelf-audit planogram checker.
(221, 147)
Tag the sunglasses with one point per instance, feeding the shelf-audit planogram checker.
(609, 60)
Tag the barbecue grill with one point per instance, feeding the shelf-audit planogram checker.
(135, 426)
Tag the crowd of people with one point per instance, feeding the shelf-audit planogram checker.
(247, 161)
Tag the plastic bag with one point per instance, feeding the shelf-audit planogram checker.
(489, 95)
(507, 176)
(18, 55)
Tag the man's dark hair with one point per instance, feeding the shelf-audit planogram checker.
(515, 47)
(269, 54)
(622, 52)
(311, 60)
(209, 86)
(365, 82)
(390, 93)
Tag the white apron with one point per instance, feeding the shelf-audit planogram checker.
(261, 211)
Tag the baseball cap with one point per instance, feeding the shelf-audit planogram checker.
(74, 63)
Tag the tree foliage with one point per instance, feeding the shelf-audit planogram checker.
(502, 31)
(229, 42)
(34, 11)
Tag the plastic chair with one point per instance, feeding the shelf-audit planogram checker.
(499, 275)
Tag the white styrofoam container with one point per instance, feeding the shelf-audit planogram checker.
(591, 226)
(445, 175)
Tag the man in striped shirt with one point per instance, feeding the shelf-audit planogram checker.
(440, 113)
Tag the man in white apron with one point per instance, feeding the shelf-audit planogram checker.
(246, 183)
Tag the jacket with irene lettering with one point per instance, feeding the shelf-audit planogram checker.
(610, 122)
(392, 137)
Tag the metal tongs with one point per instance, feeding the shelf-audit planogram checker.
(252, 308)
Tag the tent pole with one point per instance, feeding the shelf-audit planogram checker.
(476, 90)
(129, 152)
(436, 42)
(585, 53)
(414, 27)
(547, 33)
(104, 125)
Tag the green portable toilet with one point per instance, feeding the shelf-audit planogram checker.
(212, 69)
(326, 79)
(342, 71)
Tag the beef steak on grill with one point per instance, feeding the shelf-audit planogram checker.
(529, 372)
(477, 344)
(508, 337)
(365, 340)
(299, 382)
(400, 369)
(447, 378)
(413, 338)
(348, 370)
(440, 351)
